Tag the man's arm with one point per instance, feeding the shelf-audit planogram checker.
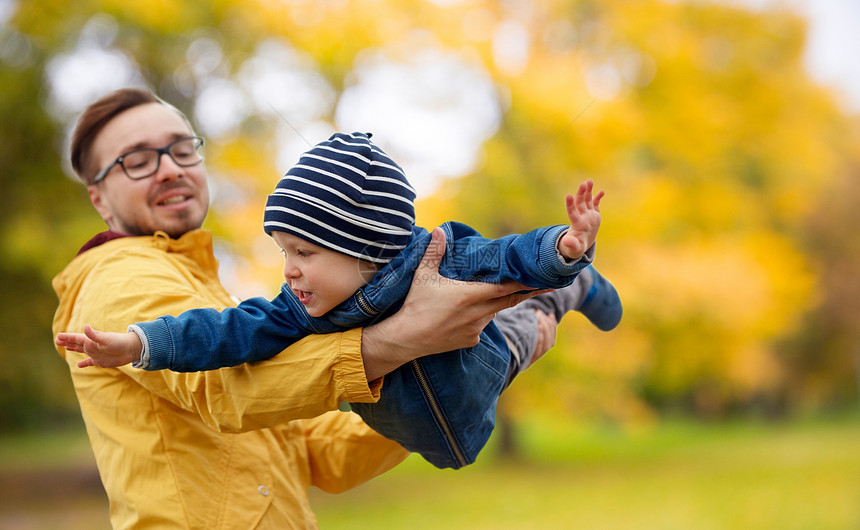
(344, 452)
(305, 380)
(439, 314)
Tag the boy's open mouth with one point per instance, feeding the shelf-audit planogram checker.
(304, 296)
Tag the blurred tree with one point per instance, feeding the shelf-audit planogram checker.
(710, 139)
(40, 212)
(697, 119)
(823, 358)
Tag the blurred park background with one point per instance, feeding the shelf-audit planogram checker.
(728, 396)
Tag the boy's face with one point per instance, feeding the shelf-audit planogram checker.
(319, 277)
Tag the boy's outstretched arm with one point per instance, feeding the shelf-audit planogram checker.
(105, 348)
(438, 315)
(583, 211)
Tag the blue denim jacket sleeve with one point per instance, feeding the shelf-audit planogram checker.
(208, 339)
(531, 258)
(257, 329)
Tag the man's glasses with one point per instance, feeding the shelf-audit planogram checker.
(142, 163)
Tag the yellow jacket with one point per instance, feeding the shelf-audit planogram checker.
(233, 448)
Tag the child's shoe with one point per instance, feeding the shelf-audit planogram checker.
(601, 306)
(591, 294)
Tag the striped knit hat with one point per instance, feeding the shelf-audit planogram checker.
(346, 195)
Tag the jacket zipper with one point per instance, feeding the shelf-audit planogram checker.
(425, 386)
(364, 305)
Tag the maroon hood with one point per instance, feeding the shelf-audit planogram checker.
(98, 239)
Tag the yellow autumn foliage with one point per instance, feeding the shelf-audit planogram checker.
(698, 119)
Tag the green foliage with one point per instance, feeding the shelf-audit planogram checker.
(40, 229)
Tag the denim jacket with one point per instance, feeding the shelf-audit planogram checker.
(441, 406)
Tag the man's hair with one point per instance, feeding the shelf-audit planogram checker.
(94, 119)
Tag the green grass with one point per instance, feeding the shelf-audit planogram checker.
(66, 447)
(677, 475)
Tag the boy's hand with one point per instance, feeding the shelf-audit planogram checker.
(105, 348)
(583, 210)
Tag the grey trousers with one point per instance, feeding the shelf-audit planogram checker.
(519, 323)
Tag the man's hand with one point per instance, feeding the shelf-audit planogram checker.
(105, 348)
(439, 314)
(583, 211)
(547, 326)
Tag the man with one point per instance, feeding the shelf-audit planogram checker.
(237, 447)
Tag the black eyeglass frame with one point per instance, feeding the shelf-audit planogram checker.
(159, 152)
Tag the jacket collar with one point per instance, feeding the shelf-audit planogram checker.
(109, 235)
(100, 238)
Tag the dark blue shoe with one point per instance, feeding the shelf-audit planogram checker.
(601, 306)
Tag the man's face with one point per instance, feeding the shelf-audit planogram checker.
(174, 200)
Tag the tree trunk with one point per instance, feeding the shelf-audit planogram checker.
(509, 448)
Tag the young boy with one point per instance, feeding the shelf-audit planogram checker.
(344, 219)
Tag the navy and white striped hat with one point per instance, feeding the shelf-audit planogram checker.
(346, 195)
